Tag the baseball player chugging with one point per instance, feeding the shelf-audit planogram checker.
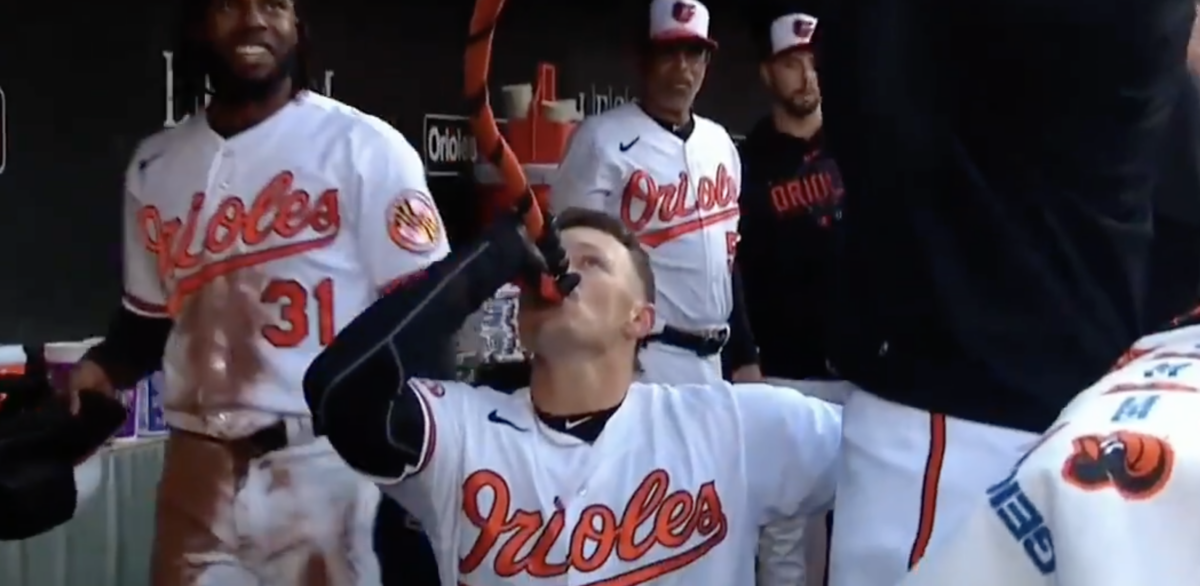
(586, 475)
(672, 178)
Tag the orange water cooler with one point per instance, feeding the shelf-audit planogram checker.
(537, 127)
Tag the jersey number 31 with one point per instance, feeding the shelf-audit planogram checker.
(296, 305)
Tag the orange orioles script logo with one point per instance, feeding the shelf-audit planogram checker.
(185, 244)
(653, 518)
(1136, 465)
(645, 200)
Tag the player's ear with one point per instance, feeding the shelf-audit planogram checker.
(641, 320)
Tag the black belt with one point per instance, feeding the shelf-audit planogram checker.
(269, 439)
(704, 345)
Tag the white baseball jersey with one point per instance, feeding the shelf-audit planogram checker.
(326, 205)
(680, 198)
(1107, 497)
(673, 491)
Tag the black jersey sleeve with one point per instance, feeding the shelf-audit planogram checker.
(359, 388)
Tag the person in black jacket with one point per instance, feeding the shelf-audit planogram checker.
(791, 206)
(1174, 272)
(1000, 158)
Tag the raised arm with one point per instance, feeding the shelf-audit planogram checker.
(361, 388)
(791, 444)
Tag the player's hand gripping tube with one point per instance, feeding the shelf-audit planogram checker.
(556, 283)
(353, 380)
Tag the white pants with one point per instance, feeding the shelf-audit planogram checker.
(294, 517)
(907, 479)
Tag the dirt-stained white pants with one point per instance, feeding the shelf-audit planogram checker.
(294, 517)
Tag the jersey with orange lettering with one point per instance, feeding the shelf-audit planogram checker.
(1105, 497)
(317, 209)
(672, 491)
(678, 192)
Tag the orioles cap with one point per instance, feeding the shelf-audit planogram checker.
(679, 21)
(792, 31)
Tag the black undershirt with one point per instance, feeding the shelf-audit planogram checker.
(683, 131)
(584, 426)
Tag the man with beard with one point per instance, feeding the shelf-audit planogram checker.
(673, 178)
(791, 205)
(254, 231)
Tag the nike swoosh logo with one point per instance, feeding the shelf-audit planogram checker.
(626, 146)
(495, 417)
(577, 423)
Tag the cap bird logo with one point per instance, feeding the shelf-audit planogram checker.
(804, 27)
(683, 12)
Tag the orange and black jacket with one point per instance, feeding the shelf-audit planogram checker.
(791, 208)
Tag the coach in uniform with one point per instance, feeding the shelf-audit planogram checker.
(672, 177)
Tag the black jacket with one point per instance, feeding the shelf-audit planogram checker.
(791, 207)
(1174, 280)
(1000, 155)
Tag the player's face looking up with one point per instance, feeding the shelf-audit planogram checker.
(609, 311)
(674, 73)
(251, 46)
(791, 77)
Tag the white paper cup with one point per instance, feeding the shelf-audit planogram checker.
(562, 111)
(12, 359)
(516, 100)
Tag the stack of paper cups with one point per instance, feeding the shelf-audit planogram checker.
(150, 422)
(562, 111)
(62, 356)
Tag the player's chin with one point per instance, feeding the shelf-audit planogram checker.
(255, 74)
